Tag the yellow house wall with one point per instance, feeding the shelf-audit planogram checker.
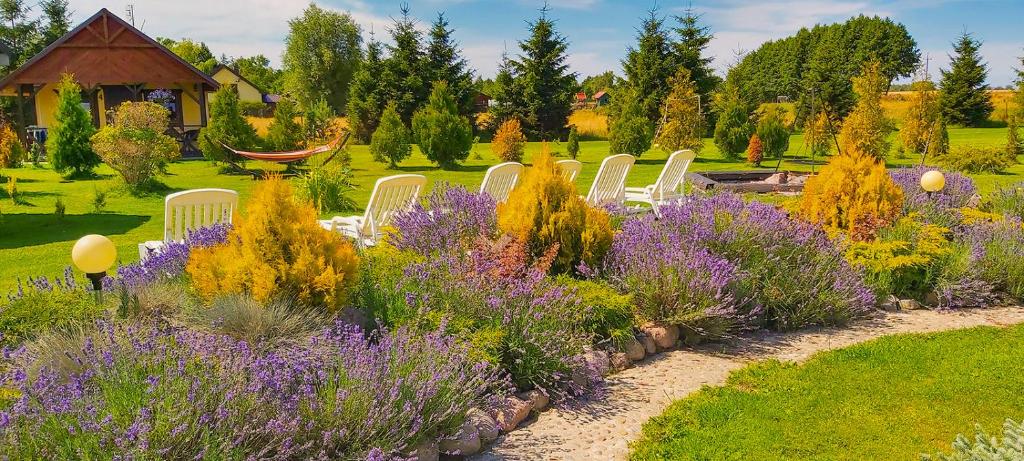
(46, 105)
(246, 92)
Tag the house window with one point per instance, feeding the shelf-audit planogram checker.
(165, 98)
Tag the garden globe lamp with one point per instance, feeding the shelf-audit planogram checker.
(94, 254)
(933, 181)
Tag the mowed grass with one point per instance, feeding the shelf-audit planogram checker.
(34, 242)
(889, 399)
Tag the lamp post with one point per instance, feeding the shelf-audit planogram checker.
(933, 181)
(94, 254)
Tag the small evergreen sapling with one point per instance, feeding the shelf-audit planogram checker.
(631, 132)
(985, 447)
(774, 136)
(390, 142)
(226, 126)
(572, 146)
(443, 135)
(68, 143)
(284, 132)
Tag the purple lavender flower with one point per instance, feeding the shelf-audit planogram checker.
(451, 221)
(938, 207)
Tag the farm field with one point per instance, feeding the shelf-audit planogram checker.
(34, 242)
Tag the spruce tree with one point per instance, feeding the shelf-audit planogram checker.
(368, 94)
(572, 146)
(542, 74)
(688, 51)
(649, 65)
(284, 132)
(445, 63)
(508, 98)
(58, 20)
(68, 145)
(964, 94)
(410, 83)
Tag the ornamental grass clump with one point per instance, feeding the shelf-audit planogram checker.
(942, 207)
(119, 391)
(717, 264)
(278, 249)
(450, 221)
(545, 211)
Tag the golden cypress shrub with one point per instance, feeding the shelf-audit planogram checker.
(509, 141)
(852, 193)
(866, 129)
(278, 250)
(545, 210)
(11, 152)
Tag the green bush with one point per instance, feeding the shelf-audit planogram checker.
(443, 135)
(41, 307)
(1007, 200)
(975, 159)
(318, 122)
(630, 131)
(773, 133)
(733, 129)
(905, 260)
(604, 313)
(135, 144)
(67, 144)
(390, 142)
(226, 126)
(284, 132)
(985, 447)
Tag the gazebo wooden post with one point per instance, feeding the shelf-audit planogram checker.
(202, 105)
(19, 100)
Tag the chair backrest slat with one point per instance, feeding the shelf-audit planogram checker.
(610, 182)
(673, 174)
(570, 168)
(500, 179)
(391, 194)
(193, 209)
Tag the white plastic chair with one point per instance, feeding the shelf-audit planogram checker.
(570, 168)
(189, 210)
(668, 187)
(500, 179)
(391, 194)
(609, 184)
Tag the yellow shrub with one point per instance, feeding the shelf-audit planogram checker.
(970, 215)
(902, 261)
(545, 210)
(509, 142)
(11, 152)
(852, 193)
(278, 249)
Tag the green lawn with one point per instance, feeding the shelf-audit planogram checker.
(34, 242)
(892, 398)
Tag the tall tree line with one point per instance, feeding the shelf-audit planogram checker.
(407, 73)
(821, 61)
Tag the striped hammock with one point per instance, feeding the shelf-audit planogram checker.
(286, 157)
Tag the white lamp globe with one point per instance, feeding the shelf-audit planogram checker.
(933, 181)
(94, 254)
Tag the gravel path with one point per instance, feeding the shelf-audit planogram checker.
(602, 430)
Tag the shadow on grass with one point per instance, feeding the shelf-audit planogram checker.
(25, 229)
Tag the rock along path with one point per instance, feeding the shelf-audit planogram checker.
(602, 430)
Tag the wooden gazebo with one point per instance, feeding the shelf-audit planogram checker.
(113, 62)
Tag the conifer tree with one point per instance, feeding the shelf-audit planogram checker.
(682, 125)
(410, 83)
(227, 126)
(284, 132)
(1014, 146)
(964, 95)
(865, 130)
(773, 134)
(508, 99)
(920, 122)
(391, 141)
(630, 131)
(542, 74)
(689, 52)
(649, 65)
(368, 93)
(1018, 94)
(444, 62)
(572, 146)
(444, 136)
(733, 127)
(68, 145)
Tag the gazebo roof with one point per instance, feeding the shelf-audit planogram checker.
(106, 50)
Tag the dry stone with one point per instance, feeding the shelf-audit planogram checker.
(634, 350)
(510, 413)
(466, 442)
(485, 425)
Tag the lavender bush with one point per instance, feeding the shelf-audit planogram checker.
(42, 303)
(733, 264)
(169, 262)
(939, 207)
(451, 221)
(996, 253)
(120, 393)
(1008, 201)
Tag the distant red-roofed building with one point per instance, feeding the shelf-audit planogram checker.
(600, 98)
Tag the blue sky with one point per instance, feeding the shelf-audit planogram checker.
(598, 30)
